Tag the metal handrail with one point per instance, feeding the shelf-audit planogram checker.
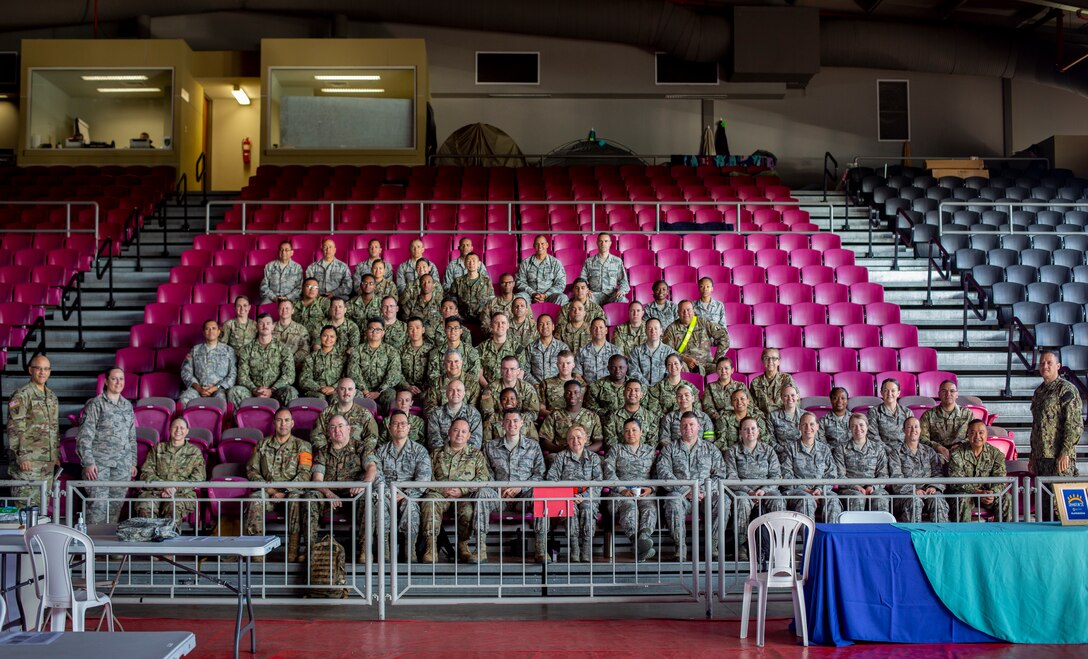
(834, 176)
(201, 168)
(1007, 204)
(31, 334)
(181, 197)
(906, 238)
(1024, 343)
(100, 269)
(980, 309)
(944, 268)
(539, 158)
(133, 222)
(887, 159)
(68, 231)
(74, 285)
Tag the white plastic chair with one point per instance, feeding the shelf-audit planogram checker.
(866, 517)
(53, 543)
(782, 529)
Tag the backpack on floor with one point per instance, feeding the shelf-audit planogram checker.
(327, 558)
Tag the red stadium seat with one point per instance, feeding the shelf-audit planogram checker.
(856, 383)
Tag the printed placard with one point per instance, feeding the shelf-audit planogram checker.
(1072, 503)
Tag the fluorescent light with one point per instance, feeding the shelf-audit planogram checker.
(338, 77)
(240, 95)
(351, 90)
(113, 78)
(128, 90)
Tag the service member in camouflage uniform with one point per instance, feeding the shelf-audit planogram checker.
(457, 461)
(632, 408)
(605, 395)
(662, 396)
(295, 336)
(406, 272)
(579, 293)
(717, 395)
(706, 307)
(551, 392)
(209, 369)
(633, 332)
(575, 330)
(979, 460)
(456, 407)
(374, 251)
(767, 387)
(403, 401)
(241, 330)
(886, 420)
(400, 460)
(511, 378)
(311, 309)
(522, 323)
(396, 332)
(415, 289)
(367, 304)
(784, 423)
(543, 353)
(107, 448)
(495, 348)
(578, 463)
(266, 368)
(605, 274)
(282, 278)
(835, 425)
(364, 429)
(427, 305)
(459, 266)
(454, 340)
(501, 303)
(340, 460)
(323, 367)
(415, 358)
(647, 361)
(592, 360)
(493, 422)
(383, 287)
(727, 430)
(693, 336)
(553, 432)
(634, 512)
(862, 457)
(1056, 422)
(375, 365)
(473, 289)
(453, 369)
(34, 432)
(541, 277)
(806, 459)
(753, 460)
(279, 458)
(912, 459)
(517, 457)
(944, 428)
(172, 460)
(685, 402)
(662, 308)
(333, 275)
(348, 334)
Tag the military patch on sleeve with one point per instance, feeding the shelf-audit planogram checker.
(14, 403)
(305, 459)
(1067, 397)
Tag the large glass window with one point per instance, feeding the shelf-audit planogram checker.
(342, 108)
(105, 108)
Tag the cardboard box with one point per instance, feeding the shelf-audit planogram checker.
(966, 163)
(962, 173)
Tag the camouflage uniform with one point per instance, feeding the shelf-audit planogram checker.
(492, 354)
(273, 461)
(493, 306)
(666, 313)
(784, 428)
(107, 440)
(834, 430)
(713, 311)
(988, 464)
(606, 277)
(547, 277)
(415, 365)
(1056, 427)
(321, 370)
(348, 336)
(337, 465)
(396, 334)
(885, 427)
(360, 310)
(705, 335)
(613, 425)
(493, 430)
(526, 393)
(525, 462)
(670, 427)
(758, 464)
(237, 335)
(624, 337)
(34, 437)
(575, 337)
(441, 418)
(718, 398)
(375, 369)
(649, 365)
(410, 463)
(281, 281)
(364, 429)
(542, 360)
(467, 464)
(593, 312)
(581, 525)
(436, 394)
(699, 462)
(923, 463)
(767, 394)
(208, 366)
(297, 339)
(412, 293)
(385, 288)
(406, 273)
(557, 424)
(870, 461)
(470, 361)
(471, 294)
(633, 515)
(334, 278)
(592, 362)
(605, 397)
(363, 268)
(457, 269)
(550, 392)
(524, 333)
(166, 463)
(312, 317)
(947, 429)
(429, 310)
(415, 430)
(271, 366)
(727, 430)
(662, 396)
(801, 462)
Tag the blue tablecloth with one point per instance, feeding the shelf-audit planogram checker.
(866, 584)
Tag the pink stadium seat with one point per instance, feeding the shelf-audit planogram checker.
(698, 241)
(780, 275)
(170, 359)
(860, 336)
(209, 294)
(757, 242)
(804, 257)
(221, 274)
(257, 413)
(198, 258)
(908, 384)
(837, 258)
(793, 243)
(724, 242)
(866, 293)
(663, 241)
(822, 336)
(668, 258)
(206, 413)
(159, 385)
(135, 360)
(186, 274)
(918, 359)
(770, 313)
(835, 360)
(643, 274)
(851, 274)
(758, 293)
(186, 336)
(748, 274)
(720, 274)
(795, 358)
(197, 313)
(856, 383)
(812, 383)
(735, 258)
(750, 360)
(742, 335)
(160, 313)
(929, 382)
(176, 294)
(230, 257)
(881, 313)
(829, 293)
(770, 257)
(876, 359)
(817, 275)
(305, 412)
(29, 257)
(546, 308)
(678, 274)
(685, 290)
(845, 313)
(826, 241)
(785, 336)
(154, 413)
(639, 256)
(796, 293)
(235, 450)
(807, 313)
(737, 313)
(899, 335)
(701, 258)
(148, 336)
(210, 241)
(615, 313)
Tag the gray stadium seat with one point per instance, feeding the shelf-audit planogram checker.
(910, 193)
(1053, 335)
(1035, 257)
(954, 242)
(1075, 357)
(1047, 242)
(1005, 295)
(1075, 292)
(985, 241)
(965, 259)
(939, 193)
(1080, 334)
(1002, 258)
(1044, 192)
(1030, 313)
(988, 275)
(1078, 217)
(974, 182)
(924, 181)
(1049, 218)
(1022, 274)
(1077, 242)
(1070, 258)
(965, 194)
(1040, 228)
(1019, 193)
(1065, 312)
(1017, 242)
(1056, 274)
(1080, 274)
(1044, 293)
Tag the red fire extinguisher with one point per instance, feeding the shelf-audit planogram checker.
(245, 151)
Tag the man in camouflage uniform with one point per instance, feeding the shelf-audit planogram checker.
(805, 459)
(979, 460)
(209, 369)
(605, 395)
(396, 332)
(333, 275)
(375, 365)
(767, 387)
(266, 368)
(406, 272)
(403, 401)
(295, 336)
(282, 278)
(635, 514)
(580, 293)
(323, 367)
(400, 460)
(944, 428)
(415, 289)
(543, 352)
(522, 323)
(662, 308)
(348, 334)
(693, 336)
(516, 457)
(912, 459)
(727, 430)
(473, 289)
(863, 458)
(753, 460)
(457, 461)
(495, 348)
(578, 463)
(511, 378)
(34, 433)
(339, 460)
(383, 287)
(696, 460)
(592, 360)
(426, 304)
(552, 392)
(541, 277)
(574, 326)
(835, 425)
(367, 304)
(605, 274)
(172, 460)
(553, 433)
(311, 309)
(365, 267)
(107, 448)
(633, 332)
(647, 361)
(508, 399)
(364, 429)
(452, 369)
(279, 458)
(454, 340)
(442, 417)
(649, 421)
(415, 358)
(784, 423)
(1056, 422)
(717, 395)
(685, 402)
(706, 307)
(501, 303)
(459, 266)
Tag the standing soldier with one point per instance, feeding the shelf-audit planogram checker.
(632, 408)
(266, 368)
(172, 460)
(554, 431)
(364, 428)
(1056, 422)
(340, 460)
(107, 447)
(281, 457)
(578, 463)
(634, 512)
(456, 461)
(863, 458)
(33, 432)
(415, 358)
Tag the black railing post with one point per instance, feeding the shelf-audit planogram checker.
(201, 163)
(74, 285)
(874, 220)
(31, 332)
(181, 196)
(99, 269)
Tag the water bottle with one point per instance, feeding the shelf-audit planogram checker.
(81, 525)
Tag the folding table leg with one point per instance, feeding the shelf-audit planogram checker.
(113, 586)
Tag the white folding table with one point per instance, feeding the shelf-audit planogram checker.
(115, 645)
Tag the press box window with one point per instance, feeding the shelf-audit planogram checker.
(507, 68)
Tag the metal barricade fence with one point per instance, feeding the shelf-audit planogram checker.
(221, 508)
(734, 500)
(22, 499)
(1045, 508)
(512, 574)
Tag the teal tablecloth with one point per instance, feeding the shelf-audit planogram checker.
(1024, 583)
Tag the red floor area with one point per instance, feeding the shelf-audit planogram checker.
(581, 638)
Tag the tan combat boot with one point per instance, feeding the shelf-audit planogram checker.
(293, 555)
(431, 554)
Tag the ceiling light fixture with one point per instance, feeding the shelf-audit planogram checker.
(351, 90)
(128, 90)
(240, 95)
(346, 77)
(113, 78)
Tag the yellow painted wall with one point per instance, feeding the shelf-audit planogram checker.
(230, 124)
(9, 125)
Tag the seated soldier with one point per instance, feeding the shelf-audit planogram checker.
(685, 402)
(501, 303)
(455, 340)
(862, 458)
(552, 391)
(374, 251)
(413, 290)
(605, 395)
(311, 310)
(415, 358)
(717, 395)
(471, 290)
(727, 430)
(374, 366)
(805, 459)
(944, 428)
(348, 334)
(542, 353)
(442, 417)
(753, 460)
(886, 420)
(575, 331)
(511, 378)
(979, 459)
(406, 272)
(706, 307)
(633, 332)
(632, 408)
(279, 458)
(592, 359)
(553, 433)
(339, 460)
(368, 304)
(295, 336)
(456, 461)
(522, 324)
(453, 369)
(399, 460)
(383, 287)
(784, 423)
(605, 274)
(266, 368)
(403, 401)
(396, 332)
(647, 361)
(767, 387)
(209, 369)
(632, 508)
(427, 304)
(282, 278)
(835, 425)
(364, 429)
(662, 308)
(541, 277)
(580, 293)
(517, 457)
(577, 463)
(912, 459)
(662, 395)
(323, 367)
(493, 422)
(173, 460)
(498, 345)
(241, 329)
(693, 336)
(333, 275)
(459, 266)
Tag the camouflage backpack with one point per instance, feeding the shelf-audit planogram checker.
(327, 559)
(147, 529)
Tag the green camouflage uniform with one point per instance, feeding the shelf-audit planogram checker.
(557, 424)
(429, 310)
(947, 429)
(415, 430)
(471, 294)
(988, 464)
(436, 394)
(625, 337)
(396, 334)
(467, 464)
(767, 394)
(593, 312)
(718, 398)
(524, 334)
(527, 398)
(493, 306)
(321, 370)
(237, 335)
(470, 361)
(271, 366)
(273, 461)
(375, 369)
(550, 392)
(360, 311)
(662, 396)
(297, 339)
(727, 430)
(168, 463)
(348, 335)
(415, 365)
(493, 430)
(613, 425)
(605, 397)
(1056, 427)
(312, 317)
(364, 429)
(705, 335)
(574, 337)
(34, 437)
(412, 292)
(492, 354)
(338, 465)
